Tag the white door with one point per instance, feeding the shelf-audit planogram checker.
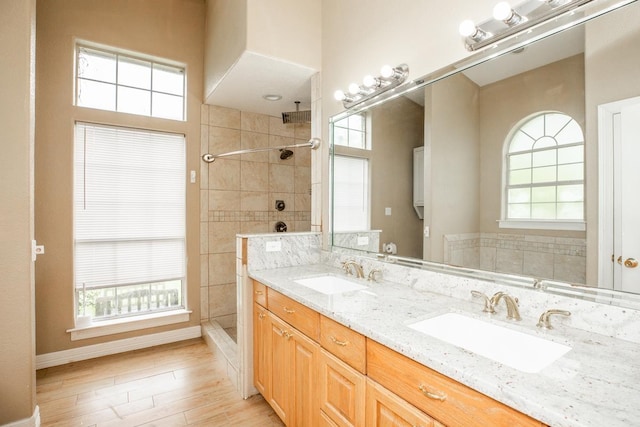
(626, 235)
(619, 175)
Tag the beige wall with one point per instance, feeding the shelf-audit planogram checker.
(17, 333)
(226, 39)
(559, 87)
(452, 162)
(286, 29)
(396, 128)
(238, 195)
(172, 29)
(611, 75)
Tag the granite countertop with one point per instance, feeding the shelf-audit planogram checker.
(597, 383)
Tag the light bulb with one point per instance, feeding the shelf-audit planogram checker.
(354, 89)
(467, 28)
(387, 71)
(502, 11)
(369, 81)
(339, 95)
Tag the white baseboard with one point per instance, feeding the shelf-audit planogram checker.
(114, 347)
(34, 421)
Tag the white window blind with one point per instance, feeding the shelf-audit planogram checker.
(129, 206)
(350, 193)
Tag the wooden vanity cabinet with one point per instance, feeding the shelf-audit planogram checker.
(314, 371)
(261, 349)
(342, 391)
(441, 397)
(385, 409)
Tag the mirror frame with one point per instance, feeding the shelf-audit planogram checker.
(580, 15)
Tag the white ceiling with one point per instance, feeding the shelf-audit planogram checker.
(253, 76)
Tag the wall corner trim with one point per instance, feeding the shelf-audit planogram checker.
(57, 358)
(33, 421)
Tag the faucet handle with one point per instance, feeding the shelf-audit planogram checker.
(372, 275)
(544, 320)
(488, 306)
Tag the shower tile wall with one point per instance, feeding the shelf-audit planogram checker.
(238, 195)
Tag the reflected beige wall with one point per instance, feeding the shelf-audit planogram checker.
(396, 129)
(17, 333)
(558, 87)
(172, 29)
(452, 162)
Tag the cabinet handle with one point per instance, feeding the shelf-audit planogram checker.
(259, 292)
(261, 316)
(441, 397)
(337, 342)
(287, 335)
(288, 310)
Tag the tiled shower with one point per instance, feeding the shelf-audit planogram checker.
(238, 194)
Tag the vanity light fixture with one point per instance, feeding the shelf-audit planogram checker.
(503, 12)
(508, 20)
(389, 78)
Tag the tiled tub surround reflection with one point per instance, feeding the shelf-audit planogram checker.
(597, 383)
(238, 195)
(554, 258)
(360, 240)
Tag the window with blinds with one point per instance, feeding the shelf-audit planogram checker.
(129, 221)
(350, 193)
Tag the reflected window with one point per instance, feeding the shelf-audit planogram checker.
(109, 80)
(545, 170)
(350, 193)
(351, 132)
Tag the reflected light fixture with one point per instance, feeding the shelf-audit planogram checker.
(389, 78)
(508, 20)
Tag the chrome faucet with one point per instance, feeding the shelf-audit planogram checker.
(357, 267)
(544, 321)
(488, 307)
(512, 304)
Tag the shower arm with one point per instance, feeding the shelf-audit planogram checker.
(313, 143)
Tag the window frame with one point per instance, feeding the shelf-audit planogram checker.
(531, 223)
(155, 317)
(133, 56)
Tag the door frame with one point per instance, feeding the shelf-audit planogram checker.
(606, 161)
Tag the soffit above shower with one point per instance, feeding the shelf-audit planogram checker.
(253, 48)
(253, 76)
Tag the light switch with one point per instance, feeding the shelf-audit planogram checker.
(387, 211)
(192, 177)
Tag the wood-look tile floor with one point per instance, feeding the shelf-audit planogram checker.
(171, 385)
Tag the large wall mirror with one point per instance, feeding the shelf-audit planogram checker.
(524, 164)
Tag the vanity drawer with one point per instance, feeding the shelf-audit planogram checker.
(347, 344)
(450, 402)
(297, 315)
(259, 293)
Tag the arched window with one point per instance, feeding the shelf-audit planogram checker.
(544, 174)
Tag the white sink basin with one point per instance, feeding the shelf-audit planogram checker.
(330, 284)
(518, 350)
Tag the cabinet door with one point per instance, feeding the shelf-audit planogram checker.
(342, 391)
(278, 360)
(304, 362)
(261, 350)
(385, 409)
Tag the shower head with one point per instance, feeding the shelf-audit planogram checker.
(285, 154)
(297, 116)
